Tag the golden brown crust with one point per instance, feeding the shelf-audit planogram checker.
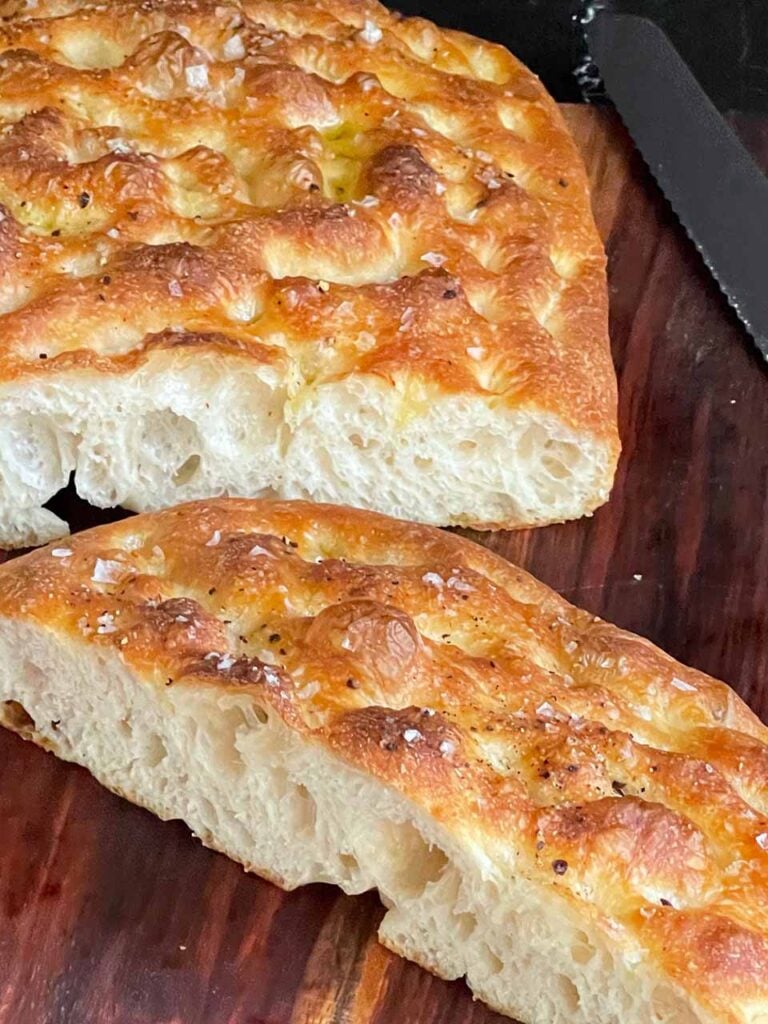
(317, 184)
(570, 751)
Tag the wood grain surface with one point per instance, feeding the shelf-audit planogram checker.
(108, 916)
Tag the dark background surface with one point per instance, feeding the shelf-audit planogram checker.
(724, 41)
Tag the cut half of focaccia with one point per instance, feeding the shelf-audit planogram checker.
(297, 249)
(548, 806)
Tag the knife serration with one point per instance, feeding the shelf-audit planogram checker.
(712, 183)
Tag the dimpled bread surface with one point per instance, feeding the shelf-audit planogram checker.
(549, 806)
(295, 249)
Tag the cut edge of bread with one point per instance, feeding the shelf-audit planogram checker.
(288, 809)
(179, 429)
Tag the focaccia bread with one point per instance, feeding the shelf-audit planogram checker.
(294, 249)
(547, 805)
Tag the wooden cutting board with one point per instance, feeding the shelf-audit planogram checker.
(108, 916)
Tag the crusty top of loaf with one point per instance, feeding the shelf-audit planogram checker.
(555, 744)
(318, 186)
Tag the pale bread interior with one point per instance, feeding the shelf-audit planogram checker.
(176, 430)
(288, 809)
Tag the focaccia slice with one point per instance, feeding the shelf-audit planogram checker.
(297, 249)
(548, 806)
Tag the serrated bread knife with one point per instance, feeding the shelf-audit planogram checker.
(716, 189)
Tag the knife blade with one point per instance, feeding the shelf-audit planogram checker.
(716, 189)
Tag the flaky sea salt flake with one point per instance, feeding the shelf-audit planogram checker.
(105, 570)
(455, 583)
(196, 76)
(234, 48)
(680, 684)
(434, 259)
(370, 32)
(271, 678)
(106, 623)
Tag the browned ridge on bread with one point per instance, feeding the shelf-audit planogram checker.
(304, 248)
(547, 805)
